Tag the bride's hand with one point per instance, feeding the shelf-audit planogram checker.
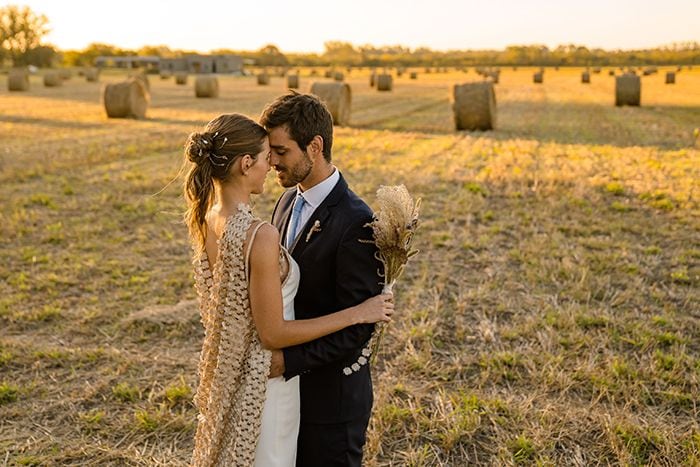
(375, 309)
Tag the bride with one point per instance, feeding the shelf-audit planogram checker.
(246, 284)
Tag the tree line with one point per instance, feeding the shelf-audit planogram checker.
(21, 32)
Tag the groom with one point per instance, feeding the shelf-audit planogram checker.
(321, 222)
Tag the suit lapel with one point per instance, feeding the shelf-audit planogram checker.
(321, 214)
(281, 216)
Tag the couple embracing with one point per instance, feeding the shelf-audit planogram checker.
(287, 307)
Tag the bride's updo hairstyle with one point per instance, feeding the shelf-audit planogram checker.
(210, 155)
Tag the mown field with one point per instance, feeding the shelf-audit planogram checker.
(551, 318)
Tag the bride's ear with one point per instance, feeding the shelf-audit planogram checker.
(245, 162)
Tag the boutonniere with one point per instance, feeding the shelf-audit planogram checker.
(314, 228)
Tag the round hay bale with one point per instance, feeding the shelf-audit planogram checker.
(328, 74)
(128, 99)
(474, 106)
(141, 76)
(596, 69)
(166, 74)
(338, 76)
(670, 78)
(494, 75)
(538, 77)
(263, 79)
(338, 99)
(92, 75)
(413, 75)
(65, 74)
(181, 78)
(206, 86)
(293, 81)
(385, 82)
(18, 79)
(628, 90)
(372, 79)
(52, 79)
(585, 77)
(611, 72)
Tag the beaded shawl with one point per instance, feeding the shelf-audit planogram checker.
(233, 366)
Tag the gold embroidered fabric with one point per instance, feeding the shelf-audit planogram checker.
(233, 366)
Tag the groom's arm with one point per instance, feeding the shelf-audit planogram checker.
(357, 279)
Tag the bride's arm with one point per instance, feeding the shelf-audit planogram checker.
(266, 301)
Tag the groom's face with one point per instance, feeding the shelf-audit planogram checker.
(292, 164)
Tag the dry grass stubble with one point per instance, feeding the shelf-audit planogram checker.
(551, 317)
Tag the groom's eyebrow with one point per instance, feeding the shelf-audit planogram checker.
(278, 146)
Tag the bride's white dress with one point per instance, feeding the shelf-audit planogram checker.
(277, 445)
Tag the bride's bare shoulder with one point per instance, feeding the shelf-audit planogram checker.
(266, 236)
(265, 248)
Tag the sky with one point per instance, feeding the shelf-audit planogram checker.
(304, 25)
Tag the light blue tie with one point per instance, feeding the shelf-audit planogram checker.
(295, 220)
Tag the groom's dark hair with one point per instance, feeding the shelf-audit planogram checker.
(305, 116)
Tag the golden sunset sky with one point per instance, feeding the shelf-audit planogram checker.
(304, 26)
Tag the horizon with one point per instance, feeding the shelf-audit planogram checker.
(304, 27)
(380, 46)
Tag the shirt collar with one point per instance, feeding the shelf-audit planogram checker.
(317, 193)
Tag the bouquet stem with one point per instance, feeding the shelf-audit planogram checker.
(380, 327)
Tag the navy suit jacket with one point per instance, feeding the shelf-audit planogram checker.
(337, 271)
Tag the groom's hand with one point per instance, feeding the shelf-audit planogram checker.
(277, 364)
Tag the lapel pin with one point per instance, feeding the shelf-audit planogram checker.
(314, 228)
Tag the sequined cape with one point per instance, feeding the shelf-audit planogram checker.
(233, 366)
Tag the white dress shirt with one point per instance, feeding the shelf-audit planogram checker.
(314, 196)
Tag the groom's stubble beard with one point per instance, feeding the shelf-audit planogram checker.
(291, 176)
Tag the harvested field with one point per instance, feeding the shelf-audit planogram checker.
(552, 316)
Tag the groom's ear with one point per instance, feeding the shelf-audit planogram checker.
(316, 146)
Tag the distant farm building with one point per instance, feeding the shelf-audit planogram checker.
(203, 64)
(129, 61)
(187, 64)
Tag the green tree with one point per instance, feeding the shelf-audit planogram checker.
(43, 56)
(341, 53)
(87, 56)
(162, 51)
(270, 55)
(20, 31)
